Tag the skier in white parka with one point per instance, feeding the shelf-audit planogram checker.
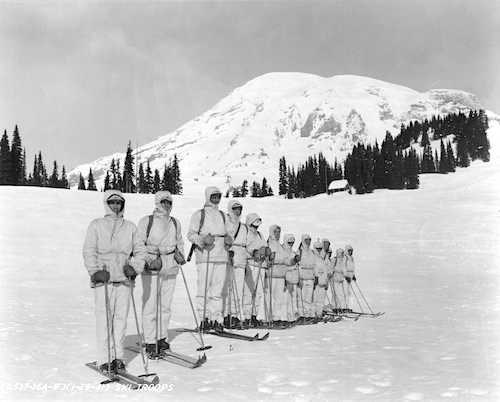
(235, 274)
(112, 254)
(210, 233)
(254, 291)
(165, 248)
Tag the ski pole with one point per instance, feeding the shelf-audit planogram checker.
(206, 288)
(139, 334)
(254, 293)
(343, 292)
(361, 293)
(237, 301)
(157, 311)
(357, 299)
(266, 312)
(203, 347)
(271, 294)
(108, 331)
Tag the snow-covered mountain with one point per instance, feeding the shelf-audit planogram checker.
(286, 114)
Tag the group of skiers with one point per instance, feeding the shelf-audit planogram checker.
(243, 279)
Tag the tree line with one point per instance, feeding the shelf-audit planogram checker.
(256, 189)
(13, 166)
(145, 182)
(311, 177)
(396, 164)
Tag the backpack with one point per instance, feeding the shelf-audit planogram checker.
(150, 225)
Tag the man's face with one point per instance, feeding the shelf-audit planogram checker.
(215, 198)
(326, 245)
(307, 241)
(166, 204)
(115, 205)
(350, 251)
(290, 243)
(277, 233)
(237, 210)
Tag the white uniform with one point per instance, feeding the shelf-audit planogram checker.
(282, 263)
(164, 237)
(321, 283)
(349, 274)
(291, 281)
(339, 269)
(214, 261)
(235, 275)
(254, 290)
(307, 266)
(109, 243)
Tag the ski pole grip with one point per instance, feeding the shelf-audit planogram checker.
(191, 250)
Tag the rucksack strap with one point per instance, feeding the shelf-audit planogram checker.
(150, 225)
(237, 230)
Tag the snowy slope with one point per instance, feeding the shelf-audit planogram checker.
(428, 258)
(292, 114)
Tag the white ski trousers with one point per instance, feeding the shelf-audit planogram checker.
(215, 284)
(149, 299)
(119, 301)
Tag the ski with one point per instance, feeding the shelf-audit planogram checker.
(175, 358)
(374, 315)
(233, 335)
(123, 377)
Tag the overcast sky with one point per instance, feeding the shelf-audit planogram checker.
(82, 78)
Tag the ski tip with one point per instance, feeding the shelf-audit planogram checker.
(265, 337)
(155, 380)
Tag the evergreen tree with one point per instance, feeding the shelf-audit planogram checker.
(128, 171)
(141, 184)
(112, 168)
(156, 182)
(443, 160)
(255, 189)
(107, 183)
(427, 160)
(388, 154)
(244, 188)
(450, 157)
(24, 179)
(283, 177)
(119, 180)
(16, 158)
(81, 183)
(425, 139)
(270, 191)
(411, 170)
(176, 173)
(91, 186)
(64, 180)
(36, 179)
(42, 171)
(148, 180)
(5, 162)
(397, 181)
(436, 161)
(264, 188)
(54, 177)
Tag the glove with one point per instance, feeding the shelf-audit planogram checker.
(292, 261)
(100, 276)
(228, 242)
(179, 257)
(348, 279)
(300, 284)
(354, 278)
(155, 265)
(129, 272)
(208, 242)
(262, 253)
(297, 258)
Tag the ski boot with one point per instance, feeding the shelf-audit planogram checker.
(163, 345)
(151, 351)
(117, 365)
(205, 325)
